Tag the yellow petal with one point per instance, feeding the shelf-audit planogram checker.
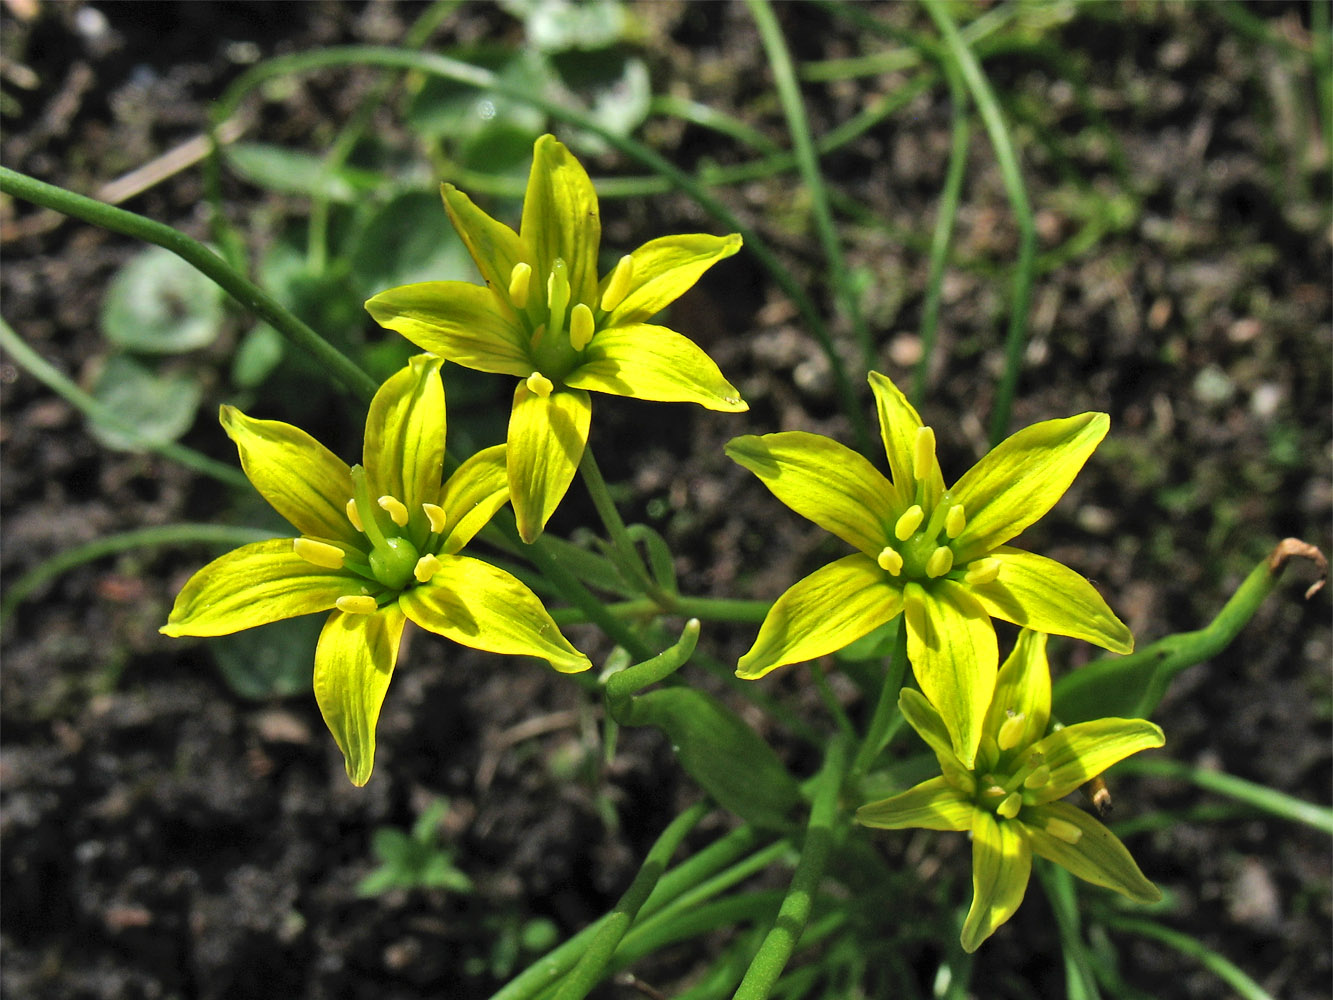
(652, 362)
(547, 435)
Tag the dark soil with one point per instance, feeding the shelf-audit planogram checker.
(164, 837)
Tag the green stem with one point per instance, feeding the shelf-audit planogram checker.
(586, 974)
(98, 412)
(880, 730)
(627, 557)
(170, 534)
(1222, 967)
(789, 94)
(780, 942)
(1061, 892)
(944, 224)
(1007, 159)
(249, 295)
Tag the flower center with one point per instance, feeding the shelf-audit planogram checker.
(558, 330)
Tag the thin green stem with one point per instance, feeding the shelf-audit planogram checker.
(249, 295)
(1222, 967)
(626, 557)
(169, 534)
(1081, 983)
(1015, 341)
(592, 964)
(807, 160)
(98, 412)
(944, 224)
(780, 942)
(880, 730)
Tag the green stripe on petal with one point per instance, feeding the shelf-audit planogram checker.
(547, 435)
(663, 270)
(1023, 687)
(652, 362)
(922, 716)
(1097, 857)
(1086, 749)
(477, 489)
(1001, 866)
(931, 805)
(951, 643)
(256, 584)
(1021, 479)
(898, 423)
(560, 219)
(300, 478)
(354, 662)
(464, 323)
(822, 613)
(827, 482)
(495, 248)
(479, 605)
(1047, 596)
(404, 442)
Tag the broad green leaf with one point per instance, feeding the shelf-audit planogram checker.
(407, 242)
(159, 407)
(1046, 596)
(824, 481)
(476, 604)
(159, 304)
(558, 25)
(654, 363)
(268, 661)
(830, 608)
(354, 662)
(295, 172)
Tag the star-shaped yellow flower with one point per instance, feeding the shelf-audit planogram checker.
(546, 318)
(1010, 799)
(378, 546)
(938, 555)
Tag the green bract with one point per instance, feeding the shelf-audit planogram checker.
(1010, 799)
(938, 555)
(379, 545)
(546, 318)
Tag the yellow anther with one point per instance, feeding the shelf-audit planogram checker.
(436, 516)
(364, 605)
(890, 561)
(1039, 778)
(982, 571)
(426, 567)
(520, 284)
(956, 521)
(354, 516)
(923, 453)
(908, 523)
(320, 553)
(580, 326)
(1010, 806)
(540, 384)
(395, 508)
(618, 286)
(1011, 731)
(940, 562)
(1062, 830)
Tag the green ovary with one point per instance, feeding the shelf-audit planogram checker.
(393, 562)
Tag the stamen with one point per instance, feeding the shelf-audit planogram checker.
(956, 521)
(1038, 778)
(436, 516)
(890, 561)
(364, 605)
(320, 553)
(426, 567)
(1063, 830)
(395, 508)
(1010, 806)
(982, 571)
(520, 285)
(1011, 731)
(540, 384)
(581, 327)
(618, 287)
(940, 562)
(557, 297)
(923, 453)
(354, 515)
(907, 524)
